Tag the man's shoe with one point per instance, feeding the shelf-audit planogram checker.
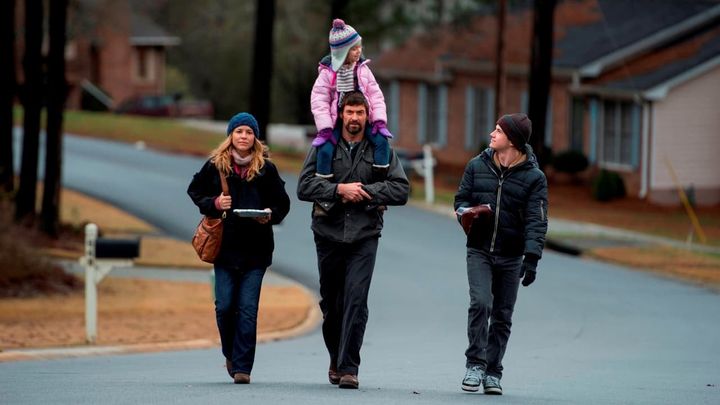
(333, 375)
(491, 385)
(241, 378)
(349, 381)
(228, 366)
(473, 376)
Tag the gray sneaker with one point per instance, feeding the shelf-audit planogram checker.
(491, 385)
(473, 376)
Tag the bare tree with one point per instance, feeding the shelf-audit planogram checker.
(7, 94)
(541, 74)
(31, 95)
(57, 91)
(262, 64)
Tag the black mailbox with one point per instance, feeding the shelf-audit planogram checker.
(117, 248)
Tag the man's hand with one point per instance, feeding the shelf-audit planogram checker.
(528, 271)
(352, 192)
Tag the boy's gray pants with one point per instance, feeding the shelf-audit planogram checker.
(494, 282)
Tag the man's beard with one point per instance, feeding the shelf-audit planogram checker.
(353, 127)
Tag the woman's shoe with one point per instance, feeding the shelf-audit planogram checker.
(333, 375)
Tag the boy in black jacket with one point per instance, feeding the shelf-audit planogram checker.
(502, 204)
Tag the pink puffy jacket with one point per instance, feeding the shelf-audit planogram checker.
(324, 96)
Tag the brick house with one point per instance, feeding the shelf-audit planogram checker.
(112, 53)
(627, 79)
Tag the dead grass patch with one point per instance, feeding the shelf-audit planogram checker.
(77, 210)
(159, 251)
(691, 266)
(134, 311)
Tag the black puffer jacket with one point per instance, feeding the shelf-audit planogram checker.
(246, 243)
(518, 198)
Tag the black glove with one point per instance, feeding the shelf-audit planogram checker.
(528, 271)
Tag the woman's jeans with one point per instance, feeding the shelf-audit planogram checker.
(493, 282)
(237, 294)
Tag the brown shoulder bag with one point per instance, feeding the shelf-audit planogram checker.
(208, 235)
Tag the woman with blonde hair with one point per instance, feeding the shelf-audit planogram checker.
(255, 187)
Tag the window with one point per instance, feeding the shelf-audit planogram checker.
(142, 68)
(432, 114)
(479, 122)
(577, 124)
(620, 133)
(144, 64)
(391, 92)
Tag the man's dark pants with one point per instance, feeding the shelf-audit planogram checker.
(345, 274)
(494, 282)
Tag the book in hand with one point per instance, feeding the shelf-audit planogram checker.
(250, 213)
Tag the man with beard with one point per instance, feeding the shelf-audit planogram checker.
(346, 221)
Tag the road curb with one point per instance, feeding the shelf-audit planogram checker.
(562, 247)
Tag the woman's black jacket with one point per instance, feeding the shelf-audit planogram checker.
(246, 243)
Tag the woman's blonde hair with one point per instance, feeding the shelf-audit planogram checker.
(222, 158)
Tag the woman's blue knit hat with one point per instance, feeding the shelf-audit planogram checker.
(243, 118)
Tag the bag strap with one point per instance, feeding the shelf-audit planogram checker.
(223, 183)
(225, 189)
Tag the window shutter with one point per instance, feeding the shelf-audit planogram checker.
(422, 96)
(469, 117)
(442, 122)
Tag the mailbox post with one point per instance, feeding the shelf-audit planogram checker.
(101, 255)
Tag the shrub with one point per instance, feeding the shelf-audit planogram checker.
(570, 161)
(607, 186)
(23, 271)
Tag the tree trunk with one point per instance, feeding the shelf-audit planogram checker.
(7, 94)
(337, 9)
(500, 59)
(32, 103)
(541, 75)
(262, 65)
(57, 91)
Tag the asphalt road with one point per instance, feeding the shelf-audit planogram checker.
(585, 332)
